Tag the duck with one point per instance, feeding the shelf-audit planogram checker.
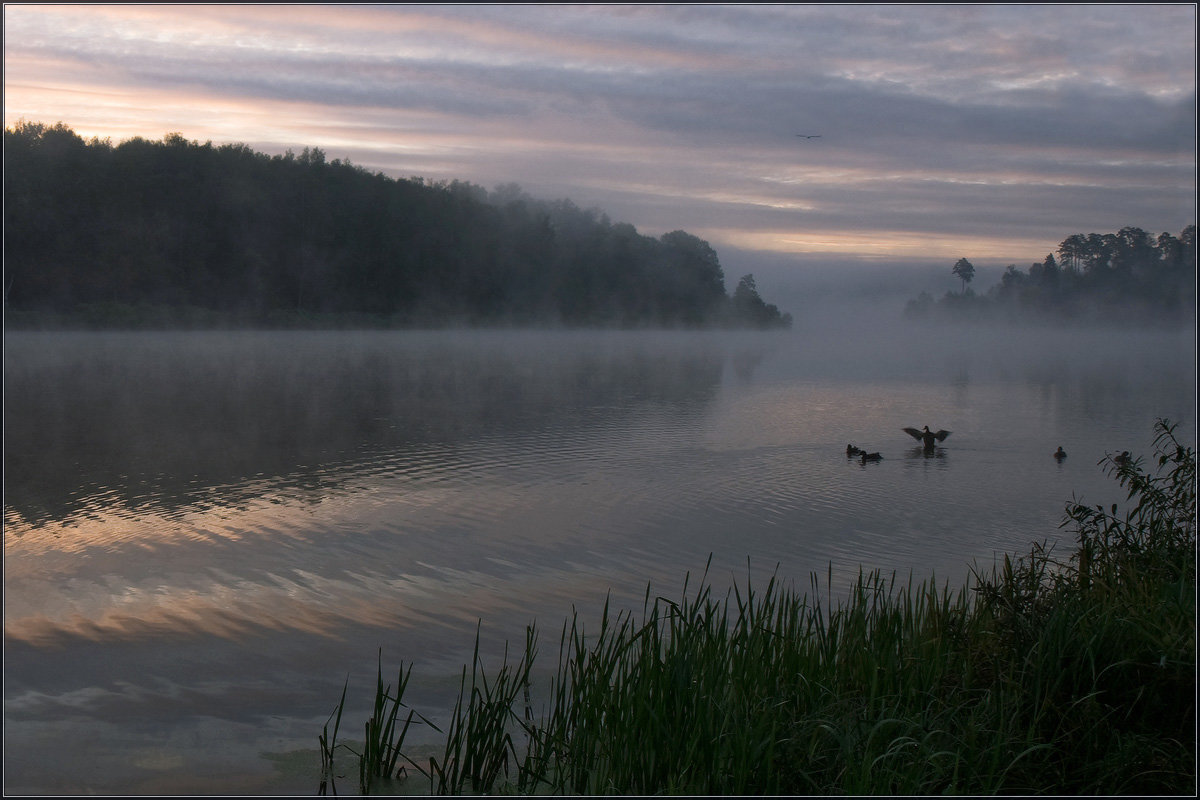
(1060, 454)
(852, 451)
(1123, 458)
(870, 456)
(927, 437)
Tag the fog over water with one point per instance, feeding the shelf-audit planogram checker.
(206, 533)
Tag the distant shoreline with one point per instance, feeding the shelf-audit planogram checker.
(146, 318)
(162, 318)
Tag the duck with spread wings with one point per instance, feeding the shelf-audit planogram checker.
(927, 437)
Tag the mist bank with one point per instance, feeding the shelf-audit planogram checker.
(1130, 278)
(175, 233)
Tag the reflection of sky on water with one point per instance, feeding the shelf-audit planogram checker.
(361, 541)
(168, 419)
(466, 484)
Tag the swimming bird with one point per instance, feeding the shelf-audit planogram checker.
(1060, 454)
(927, 437)
(1123, 458)
(870, 456)
(806, 136)
(852, 451)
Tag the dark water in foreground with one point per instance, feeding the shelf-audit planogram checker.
(206, 533)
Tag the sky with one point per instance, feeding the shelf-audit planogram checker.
(985, 131)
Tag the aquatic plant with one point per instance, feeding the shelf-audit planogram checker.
(329, 742)
(383, 740)
(1104, 644)
(382, 744)
(479, 746)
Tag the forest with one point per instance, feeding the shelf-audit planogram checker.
(1128, 276)
(177, 233)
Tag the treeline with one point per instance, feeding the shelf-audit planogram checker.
(1128, 275)
(177, 232)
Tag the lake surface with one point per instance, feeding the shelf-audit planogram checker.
(207, 534)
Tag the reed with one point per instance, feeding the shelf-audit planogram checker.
(328, 742)
(479, 747)
(384, 737)
(383, 740)
(1038, 676)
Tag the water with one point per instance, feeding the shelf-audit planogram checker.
(206, 534)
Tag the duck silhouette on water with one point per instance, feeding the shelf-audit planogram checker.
(861, 454)
(927, 437)
(1060, 454)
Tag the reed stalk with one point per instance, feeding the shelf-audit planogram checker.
(328, 743)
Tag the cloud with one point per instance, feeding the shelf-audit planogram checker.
(1019, 123)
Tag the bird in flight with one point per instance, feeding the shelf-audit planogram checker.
(806, 136)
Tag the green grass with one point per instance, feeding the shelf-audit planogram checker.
(1040, 676)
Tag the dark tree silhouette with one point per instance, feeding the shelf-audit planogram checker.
(180, 233)
(749, 308)
(965, 270)
(1128, 275)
